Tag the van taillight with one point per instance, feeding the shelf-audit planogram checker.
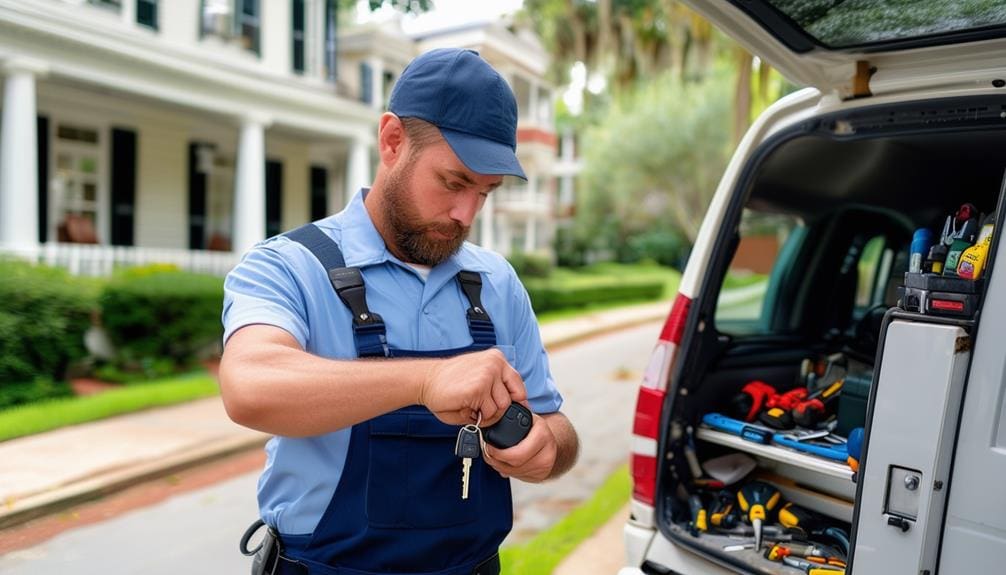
(650, 401)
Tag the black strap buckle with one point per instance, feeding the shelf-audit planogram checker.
(348, 285)
(471, 284)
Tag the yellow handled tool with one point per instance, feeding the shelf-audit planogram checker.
(758, 500)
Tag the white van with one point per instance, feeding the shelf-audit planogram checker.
(904, 122)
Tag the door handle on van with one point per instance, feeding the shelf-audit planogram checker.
(899, 522)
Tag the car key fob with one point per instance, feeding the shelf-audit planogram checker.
(511, 429)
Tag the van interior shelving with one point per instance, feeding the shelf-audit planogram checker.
(845, 195)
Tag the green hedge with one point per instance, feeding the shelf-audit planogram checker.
(549, 296)
(161, 321)
(44, 313)
(530, 265)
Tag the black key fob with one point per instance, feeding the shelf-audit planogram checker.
(511, 429)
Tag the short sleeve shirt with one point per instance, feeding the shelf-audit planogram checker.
(280, 283)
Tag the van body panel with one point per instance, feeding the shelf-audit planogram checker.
(974, 539)
(910, 437)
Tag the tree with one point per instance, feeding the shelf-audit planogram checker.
(654, 161)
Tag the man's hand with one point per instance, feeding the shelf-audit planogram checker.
(548, 451)
(458, 388)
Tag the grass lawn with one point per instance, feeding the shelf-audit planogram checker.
(541, 555)
(53, 414)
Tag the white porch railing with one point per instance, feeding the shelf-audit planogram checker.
(98, 260)
(521, 199)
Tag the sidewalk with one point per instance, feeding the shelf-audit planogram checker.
(46, 473)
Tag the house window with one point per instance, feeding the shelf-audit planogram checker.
(544, 107)
(234, 21)
(146, 13)
(522, 91)
(219, 170)
(331, 27)
(76, 196)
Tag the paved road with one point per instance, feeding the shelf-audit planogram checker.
(197, 532)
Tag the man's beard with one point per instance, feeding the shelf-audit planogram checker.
(409, 232)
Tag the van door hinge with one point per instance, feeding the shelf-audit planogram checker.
(861, 81)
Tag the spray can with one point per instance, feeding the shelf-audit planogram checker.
(922, 240)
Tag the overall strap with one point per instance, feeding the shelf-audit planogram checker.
(368, 328)
(479, 323)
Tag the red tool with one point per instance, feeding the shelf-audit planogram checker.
(815, 408)
(751, 399)
(777, 414)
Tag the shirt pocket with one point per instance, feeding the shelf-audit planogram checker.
(414, 480)
(510, 353)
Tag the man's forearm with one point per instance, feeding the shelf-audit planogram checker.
(284, 390)
(567, 443)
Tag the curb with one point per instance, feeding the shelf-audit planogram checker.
(118, 479)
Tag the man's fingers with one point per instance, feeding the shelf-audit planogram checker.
(501, 397)
(514, 384)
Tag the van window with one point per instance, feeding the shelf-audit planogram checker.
(765, 241)
(874, 273)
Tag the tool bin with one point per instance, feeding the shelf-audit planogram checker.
(852, 403)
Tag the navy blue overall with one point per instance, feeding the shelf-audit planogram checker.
(398, 507)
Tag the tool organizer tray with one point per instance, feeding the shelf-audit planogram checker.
(753, 561)
(820, 474)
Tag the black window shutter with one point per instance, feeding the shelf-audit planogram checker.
(146, 13)
(197, 200)
(273, 197)
(319, 192)
(298, 36)
(366, 83)
(42, 143)
(123, 185)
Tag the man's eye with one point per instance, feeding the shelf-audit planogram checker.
(455, 186)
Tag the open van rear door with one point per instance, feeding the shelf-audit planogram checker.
(911, 429)
(859, 48)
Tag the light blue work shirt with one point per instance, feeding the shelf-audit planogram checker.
(280, 283)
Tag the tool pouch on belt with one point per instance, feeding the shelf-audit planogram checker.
(265, 557)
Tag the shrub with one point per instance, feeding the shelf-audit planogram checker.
(549, 296)
(531, 265)
(44, 313)
(26, 392)
(664, 247)
(159, 317)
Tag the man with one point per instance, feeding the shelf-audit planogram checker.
(362, 475)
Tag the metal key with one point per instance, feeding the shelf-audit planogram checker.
(468, 447)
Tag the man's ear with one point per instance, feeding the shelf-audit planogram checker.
(391, 139)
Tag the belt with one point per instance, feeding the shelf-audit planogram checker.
(287, 566)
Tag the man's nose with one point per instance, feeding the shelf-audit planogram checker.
(466, 208)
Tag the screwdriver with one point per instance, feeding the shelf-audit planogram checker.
(699, 519)
(758, 499)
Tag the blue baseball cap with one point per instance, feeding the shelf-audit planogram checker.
(460, 93)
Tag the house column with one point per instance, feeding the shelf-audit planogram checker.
(358, 166)
(488, 219)
(249, 185)
(19, 155)
(377, 83)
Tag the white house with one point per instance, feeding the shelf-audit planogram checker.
(187, 130)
